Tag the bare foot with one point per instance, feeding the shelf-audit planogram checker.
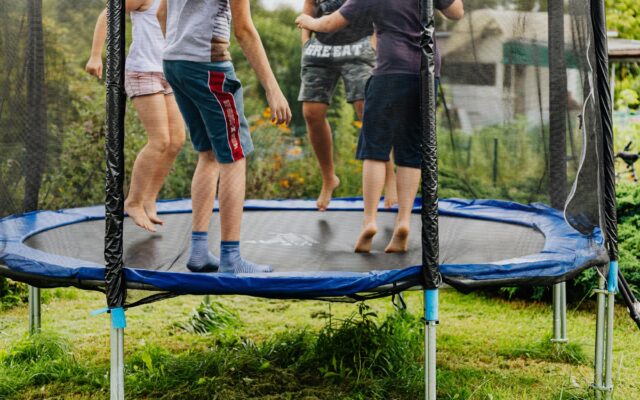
(400, 241)
(363, 245)
(139, 216)
(390, 197)
(327, 193)
(152, 213)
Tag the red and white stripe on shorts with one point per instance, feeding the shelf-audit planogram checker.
(228, 105)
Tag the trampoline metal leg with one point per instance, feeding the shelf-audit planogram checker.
(430, 362)
(117, 364)
(560, 313)
(608, 358)
(207, 299)
(563, 311)
(612, 288)
(34, 310)
(431, 318)
(599, 356)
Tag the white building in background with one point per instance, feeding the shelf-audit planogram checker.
(488, 58)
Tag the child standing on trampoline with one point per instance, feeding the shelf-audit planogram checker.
(153, 99)
(198, 65)
(392, 105)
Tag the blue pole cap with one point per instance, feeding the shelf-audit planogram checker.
(431, 304)
(612, 279)
(118, 320)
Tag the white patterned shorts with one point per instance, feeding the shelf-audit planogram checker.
(145, 83)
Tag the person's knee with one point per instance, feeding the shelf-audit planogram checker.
(160, 143)
(207, 157)
(314, 114)
(177, 143)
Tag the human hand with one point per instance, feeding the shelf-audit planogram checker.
(94, 67)
(280, 111)
(305, 21)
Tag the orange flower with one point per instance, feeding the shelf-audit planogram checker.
(284, 128)
(266, 114)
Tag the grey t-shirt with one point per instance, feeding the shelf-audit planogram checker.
(198, 30)
(397, 27)
(359, 28)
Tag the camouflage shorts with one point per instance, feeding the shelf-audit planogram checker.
(323, 65)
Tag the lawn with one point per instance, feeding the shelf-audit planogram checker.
(274, 349)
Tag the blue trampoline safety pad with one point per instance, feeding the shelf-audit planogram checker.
(483, 242)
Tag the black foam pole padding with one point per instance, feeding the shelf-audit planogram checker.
(557, 106)
(430, 247)
(114, 147)
(604, 106)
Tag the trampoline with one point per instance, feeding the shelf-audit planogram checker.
(525, 117)
(482, 243)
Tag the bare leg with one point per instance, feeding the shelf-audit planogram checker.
(232, 191)
(203, 190)
(176, 142)
(231, 198)
(408, 181)
(390, 192)
(320, 136)
(372, 183)
(390, 185)
(153, 114)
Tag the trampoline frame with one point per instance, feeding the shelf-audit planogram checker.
(565, 254)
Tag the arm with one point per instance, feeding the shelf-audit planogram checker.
(455, 10)
(249, 40)
(308, 9)
(329, 23)
(94, 65)
(162, 16)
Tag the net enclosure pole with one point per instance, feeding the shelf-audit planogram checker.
(430, 248)
(36, 133)
(557, 143)
(114, 201)
(604, 106)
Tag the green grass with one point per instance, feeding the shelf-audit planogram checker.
(247, 348)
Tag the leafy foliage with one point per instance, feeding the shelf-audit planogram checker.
(211, 318)
(622, 17)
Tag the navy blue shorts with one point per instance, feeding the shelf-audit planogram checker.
(209, 96)
(392, 120)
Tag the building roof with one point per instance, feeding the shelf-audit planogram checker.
(624, 50)
(523, 26)
(509, 25)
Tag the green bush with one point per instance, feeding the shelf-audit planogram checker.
(11, 293)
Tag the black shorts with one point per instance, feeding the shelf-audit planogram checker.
(392, 120)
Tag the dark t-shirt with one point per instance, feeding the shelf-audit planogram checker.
(397, 27)
(358, 29)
